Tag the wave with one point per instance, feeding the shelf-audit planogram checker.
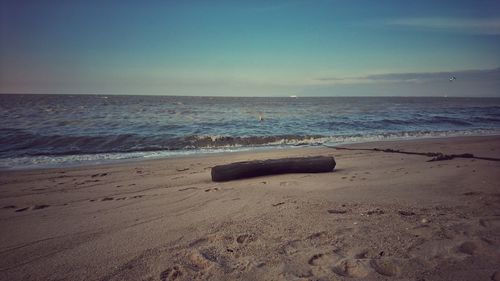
(447, 120)
(399, 123)
(486, 119)
(22, 143)
(194, 144)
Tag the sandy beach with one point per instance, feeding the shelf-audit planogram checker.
(378, 216)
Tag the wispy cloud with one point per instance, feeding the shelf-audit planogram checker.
(490, 26)
(417, 77)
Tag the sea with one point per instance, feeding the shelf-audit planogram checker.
(40, 131)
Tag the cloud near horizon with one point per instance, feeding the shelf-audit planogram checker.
(476, 75)
(484, 26)
(468, 83)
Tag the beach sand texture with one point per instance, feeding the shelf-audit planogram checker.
(378, 216)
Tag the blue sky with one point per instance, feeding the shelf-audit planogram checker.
(251, 48)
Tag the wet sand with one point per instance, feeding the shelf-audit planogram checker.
(378, 216)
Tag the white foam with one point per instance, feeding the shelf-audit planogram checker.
(34, 162)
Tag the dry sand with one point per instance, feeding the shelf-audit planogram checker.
(378, 216)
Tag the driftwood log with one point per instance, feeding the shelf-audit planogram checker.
(240, 170)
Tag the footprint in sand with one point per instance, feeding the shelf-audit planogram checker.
(314, 259)
(212, 189)
(324, 259)
(468, 248)
(491, 222)
(107, 199)
(172, 273)
(386, 267)
(364, 253)
(199, 241)
(210, 257)
(352, 268)
(244, 238)
(291, 247)
(199, 259)
(218, 252)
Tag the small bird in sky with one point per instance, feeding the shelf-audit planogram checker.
(453, 78)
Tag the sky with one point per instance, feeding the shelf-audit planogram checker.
(251, 48)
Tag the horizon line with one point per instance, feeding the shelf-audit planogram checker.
(244, 96)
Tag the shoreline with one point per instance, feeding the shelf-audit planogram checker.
(378, 216)
(231, 150)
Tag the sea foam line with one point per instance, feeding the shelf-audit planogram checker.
(48, 161)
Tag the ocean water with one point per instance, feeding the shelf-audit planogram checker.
(55, 130)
